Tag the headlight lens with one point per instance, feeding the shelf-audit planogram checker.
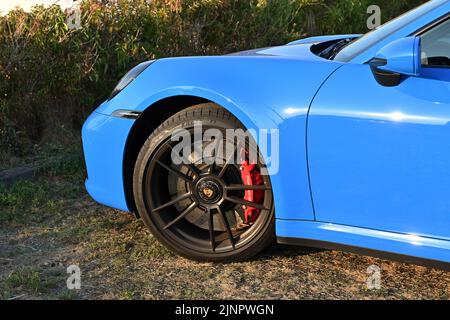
(129, 77)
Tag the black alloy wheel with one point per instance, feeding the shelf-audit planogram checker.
(197, 207)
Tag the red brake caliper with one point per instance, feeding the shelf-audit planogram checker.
(251, 176)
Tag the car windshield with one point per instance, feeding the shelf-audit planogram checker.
(370, 39)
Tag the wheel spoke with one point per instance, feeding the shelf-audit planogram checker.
(228, 162)
(191, 207)
(172, 202)
(227, 226)
(211, 229)
(246, 203)
(212, 166)
(233, 187)
(174, 171)
(185, 161)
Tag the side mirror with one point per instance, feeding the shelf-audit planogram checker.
(396, 60)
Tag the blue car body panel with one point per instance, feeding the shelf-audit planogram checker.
(360, 164)
(256, 104)
(104, 140)
(378, 240)
(388, 150)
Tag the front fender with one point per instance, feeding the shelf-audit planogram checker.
(262, 92)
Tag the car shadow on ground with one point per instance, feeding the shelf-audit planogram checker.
(286, 251)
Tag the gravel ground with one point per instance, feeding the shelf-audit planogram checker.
(49, 224)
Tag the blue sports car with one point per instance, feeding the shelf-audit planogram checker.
(338, 142)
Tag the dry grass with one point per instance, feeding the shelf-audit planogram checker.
(49, 224)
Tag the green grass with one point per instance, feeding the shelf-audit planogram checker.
(39, 207)
(51, 223)
(25, 201)
(28, 202)
(126, 295)
(28, 281)
(33, 201)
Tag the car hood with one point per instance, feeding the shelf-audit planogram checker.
(300, 51)
(299, 48)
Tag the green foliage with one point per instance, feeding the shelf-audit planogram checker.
(51, 75)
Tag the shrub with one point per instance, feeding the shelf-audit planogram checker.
(52, 76)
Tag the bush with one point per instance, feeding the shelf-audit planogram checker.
(52, 76)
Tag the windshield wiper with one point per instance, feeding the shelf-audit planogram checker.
(333, 50)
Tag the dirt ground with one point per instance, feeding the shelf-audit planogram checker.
(49, 224)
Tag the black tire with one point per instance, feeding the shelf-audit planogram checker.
(189, 238)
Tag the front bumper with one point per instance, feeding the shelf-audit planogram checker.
(104, 138)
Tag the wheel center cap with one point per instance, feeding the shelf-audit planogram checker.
(209, 191)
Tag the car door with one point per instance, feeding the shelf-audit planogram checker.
(379, 157)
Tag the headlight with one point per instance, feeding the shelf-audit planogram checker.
(129, 77)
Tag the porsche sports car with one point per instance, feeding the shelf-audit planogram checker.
(361, 159)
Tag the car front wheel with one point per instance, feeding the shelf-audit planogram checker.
(214, 207)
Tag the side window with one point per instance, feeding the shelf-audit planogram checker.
(436, 46)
